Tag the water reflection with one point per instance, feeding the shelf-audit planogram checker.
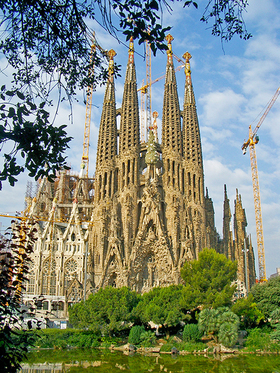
(81, 361)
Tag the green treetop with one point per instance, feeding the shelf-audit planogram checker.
(209, 279)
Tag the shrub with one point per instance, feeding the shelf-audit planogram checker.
(258, 339)
(221, 323)
(228, 334)
(276, 333)
(135, 334)
(148, 338)
(191, 333)
(182, 346)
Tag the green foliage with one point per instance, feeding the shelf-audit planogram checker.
(267, 295)
(163, 306)
(107, 312)
(191, 333)
(208, 280)
(39, 143)
(56, 338)
(147, 339)
(248, 312)
(228, 334)
(275, 317)
(258, 339)
(221, 323)
(189, 346)
(275, 334)
(135, 334)
(15, 259)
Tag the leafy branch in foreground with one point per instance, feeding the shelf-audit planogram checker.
(35, 140)
(14, 263)
(227, 18)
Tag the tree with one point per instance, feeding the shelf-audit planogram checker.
(210, 279)
(163, 306)
(14, 256)
(221, 324)
(248, 312)
(267, 296)
(47, 44)
(107, 312)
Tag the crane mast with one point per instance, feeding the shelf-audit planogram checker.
(148, 83)
(85, 157)
(257, 204)
(251, 142)
(145, 89)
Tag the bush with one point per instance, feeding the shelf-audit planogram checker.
(182, 346)
(220, 323)
(148, 339)
(50, 338)
(276, 333)
(258, 339)
(228, 334)
(135, 334)
(191, 333)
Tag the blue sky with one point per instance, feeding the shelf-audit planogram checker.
(233, 83)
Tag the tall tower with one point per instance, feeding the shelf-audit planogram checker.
(172, 155)
(105, 177)
(192, 164)
(227, 244)
(129, 146)
(243, 251)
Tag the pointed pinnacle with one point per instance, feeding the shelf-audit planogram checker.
(131, 50)
(187, 56)
(169, 39)
(111, 55)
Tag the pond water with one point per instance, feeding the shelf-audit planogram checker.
(101, 361)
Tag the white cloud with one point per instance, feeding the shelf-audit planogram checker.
(220, 107)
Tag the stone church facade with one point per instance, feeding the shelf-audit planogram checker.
(143, 215)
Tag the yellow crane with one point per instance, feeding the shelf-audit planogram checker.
(251, 142)
(145, 89)
(85, 156)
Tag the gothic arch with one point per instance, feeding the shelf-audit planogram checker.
(49, 277)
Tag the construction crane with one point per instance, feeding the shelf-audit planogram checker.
(145, 89)
(85, 156)
(252, 140)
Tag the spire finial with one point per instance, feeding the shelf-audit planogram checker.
(111, 55)
(187, 56)
(131, 50)
(169, 39)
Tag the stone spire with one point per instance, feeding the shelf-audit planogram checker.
(240, 251)
(129, 129)
(211, 233)
(227, 234)
(191, 134)
(107, 140)
(128, 161)
(171, 118)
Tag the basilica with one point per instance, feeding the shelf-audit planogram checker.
(145, 212)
